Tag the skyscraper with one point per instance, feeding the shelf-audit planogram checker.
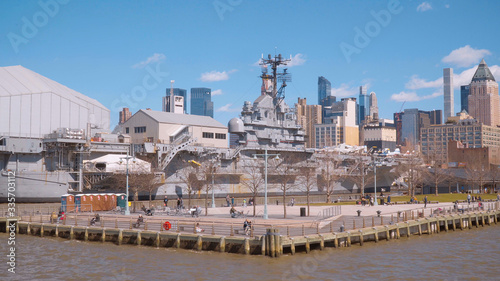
(373, 106)
(464, 98)
(125, 114)
(448, 93)
(177, 92)
(364, 104)
(324, 88)
(484, 102)
(307, 117)
(201, 102)
(409, 122)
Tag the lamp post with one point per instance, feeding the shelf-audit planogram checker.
(128, 157)
(213, 170)
(375, 178)
(265, 156)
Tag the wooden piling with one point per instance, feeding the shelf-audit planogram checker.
(263, 245)
(86, 235)
(57, 230)
(139, 238)
(376, 235)
(322, 243)
(445, 224)
(247, 246)
(398, 234)
(222, 244)
(360, 237)
(178, 240)
(103, 237)
(199, 243)
(336, 242)
(41, 230)
(120, 236)
(308, 245)
(71, 234)
(407, 229)
(292, 246)
(387, 235)
(348, 239)
(419, 228)
(158, 239)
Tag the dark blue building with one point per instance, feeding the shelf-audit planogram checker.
(201, 102)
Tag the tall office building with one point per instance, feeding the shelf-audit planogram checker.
(373, 106)
(324, 88)
(201, 102)
(448, 93)
(411, 122)
(484, 102)
(177, 92)
(339, 125)
(364, 104)
(464, 98)
(307, 117)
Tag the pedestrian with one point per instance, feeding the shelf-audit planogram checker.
(227, 200)
(468, 198)
(498, 196)
(165, 201)
(232, 201)
(244, 202)
(178, 203)
(425, 201)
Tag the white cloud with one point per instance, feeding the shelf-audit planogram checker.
(217, 92)
(227, 108)
(412, 96)
(214, 76)
(419, 83)
(465, 56)
(425, 6)
(152, 59)
(297, 60)
(345, 91)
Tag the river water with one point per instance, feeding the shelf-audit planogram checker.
(461, 255)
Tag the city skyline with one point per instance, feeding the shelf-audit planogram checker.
(124, 56)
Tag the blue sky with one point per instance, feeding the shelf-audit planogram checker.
(124, 53)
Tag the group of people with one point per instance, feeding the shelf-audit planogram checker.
(57, 218)
(230, 201)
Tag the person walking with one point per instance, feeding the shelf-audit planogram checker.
(165, 201)
(227, 200)
(468, 198)
(425, 201)
(232, 201)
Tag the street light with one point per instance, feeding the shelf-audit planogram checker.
(213, 170)
(127, 210)
(265, 156)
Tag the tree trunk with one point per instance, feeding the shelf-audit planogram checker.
(253, 200)
(328, 197)
(206, 203)
(284, 204)
(308, 203)
(436, 192)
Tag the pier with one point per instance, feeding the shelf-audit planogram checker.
(264, 239)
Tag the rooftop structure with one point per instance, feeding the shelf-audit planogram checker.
(483, 100)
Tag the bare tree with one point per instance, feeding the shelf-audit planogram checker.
(253, 179)
(412, 168)
(359, 174)
(494, 176)
(286, 174)
(438, 174)
(330, 173)
(477, 170)
(189, 177)
(307, 180)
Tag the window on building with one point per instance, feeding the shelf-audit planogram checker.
(127, 130)
(139, 130)
(207, 135)
(220, 136)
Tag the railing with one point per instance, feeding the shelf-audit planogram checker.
(332, 211)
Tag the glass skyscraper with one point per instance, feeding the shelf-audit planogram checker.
(364, 104)
(177, 92)
(201, 102)
(464, 97)
(324, 88)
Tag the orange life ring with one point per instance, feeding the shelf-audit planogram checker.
(167, 225)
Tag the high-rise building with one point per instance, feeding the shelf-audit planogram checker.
(464, 97)
(483, 101)
(325, 103)
(373, 106)
(324, 88)
(201, 102)
(448, 93)
(364, 104)
(379, 133)
(125, 114)
(342, 116)
(411, 121)
(307, 117)
(177, 92)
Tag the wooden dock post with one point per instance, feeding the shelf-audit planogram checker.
(86, 235)
(41, 230)
(387, 234)
(477, 221)
(407, 229)
(454, 223)
(445, 224)
(71, 233)
(292, 246)
(398, 234)
(178, 239)
(232, 231)
(199, 243)
(103, 237)
(222, 244)
(348, 239)
(273, 246)
(353, 223)
(120, 236)
(376, 235)
(158, 239)
(336, 241)
(361, 237)
(28, 230)
(308, 245)
(139, 238)
(263, 245)
(419, 228)
(247, 246)
(322, 242)
(57, 231)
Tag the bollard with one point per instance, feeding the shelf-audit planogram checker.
(247, 246)
(251, 231)
(139, 238)
(41, 230)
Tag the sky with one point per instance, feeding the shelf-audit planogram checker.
(125, 53)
